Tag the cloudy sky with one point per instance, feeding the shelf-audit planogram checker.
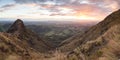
(92, 10)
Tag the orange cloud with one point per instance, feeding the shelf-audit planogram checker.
(89, 12)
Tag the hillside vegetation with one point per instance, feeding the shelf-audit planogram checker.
(100, 42)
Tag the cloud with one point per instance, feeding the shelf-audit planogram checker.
(97, 8)
(46, 2)
(73, 4)
(111, 5)
(89, 8)
(104, 4)
(31, 1)
(6, 7)
(57, 14)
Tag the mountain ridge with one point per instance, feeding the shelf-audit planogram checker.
(100, 42)
(96, 30)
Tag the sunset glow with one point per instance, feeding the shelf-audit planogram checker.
(58, 9)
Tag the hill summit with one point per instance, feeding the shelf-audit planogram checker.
(17, 27)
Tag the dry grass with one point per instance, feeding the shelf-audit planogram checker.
(56, 55)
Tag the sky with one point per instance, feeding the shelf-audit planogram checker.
(58, 10)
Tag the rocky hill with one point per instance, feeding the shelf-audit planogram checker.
(20, 43)
(19, 30)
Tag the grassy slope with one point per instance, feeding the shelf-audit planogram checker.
(101, 42)
(11, 48)
(92, 33)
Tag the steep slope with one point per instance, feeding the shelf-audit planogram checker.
(21, 32)
(100, 42)
(12, 48)
(105, 47)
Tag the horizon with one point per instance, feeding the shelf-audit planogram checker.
(50, 20)
(57, 10)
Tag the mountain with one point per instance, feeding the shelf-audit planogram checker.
(20, 43)
(19, 30)
(100, 42)
(17, 27)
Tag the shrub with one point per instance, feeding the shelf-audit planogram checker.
(99, 53)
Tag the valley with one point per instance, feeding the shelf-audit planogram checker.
(54, 32)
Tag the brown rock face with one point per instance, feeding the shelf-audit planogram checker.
(17, 27)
